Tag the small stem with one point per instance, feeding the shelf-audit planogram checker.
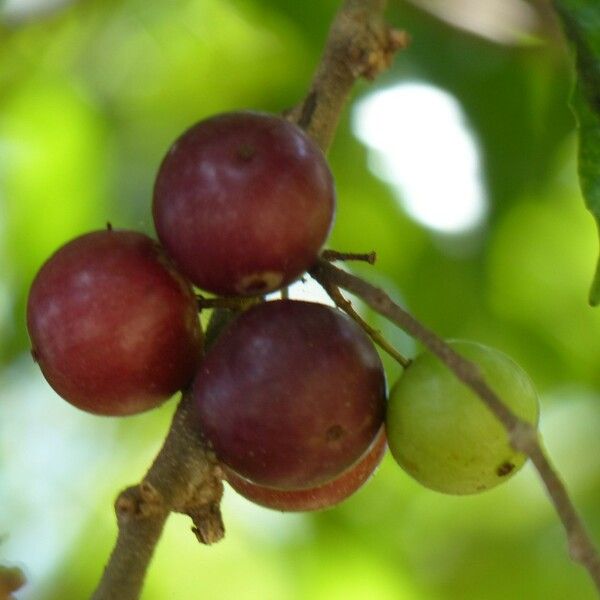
(346, 306)
(334, 255)
(522, 434)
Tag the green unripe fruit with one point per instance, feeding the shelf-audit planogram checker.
(443, 435)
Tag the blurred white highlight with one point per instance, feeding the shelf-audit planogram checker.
(21, 10)
(420, 144)
(306, 289)
(502, 21)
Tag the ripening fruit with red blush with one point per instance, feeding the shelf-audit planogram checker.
(113, 325)
(243, 203)
(290, 395)
(318, 498)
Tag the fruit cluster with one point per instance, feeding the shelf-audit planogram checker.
(291, 395)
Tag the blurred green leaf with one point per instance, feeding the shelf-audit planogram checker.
(581, 20)
(52, 178)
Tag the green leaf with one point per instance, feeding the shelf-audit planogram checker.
(581, 20)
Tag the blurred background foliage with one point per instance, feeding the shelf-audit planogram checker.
(457, 166)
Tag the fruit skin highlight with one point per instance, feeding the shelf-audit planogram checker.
(113, 326)
(243, 203)
(443, 435)
(318, 498)
(290, 395)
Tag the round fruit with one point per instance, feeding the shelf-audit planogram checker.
(443, 435)
(113, 326)
(291, 394)
(325, 496)
(243, 203)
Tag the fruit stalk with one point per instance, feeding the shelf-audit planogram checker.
(341, 302)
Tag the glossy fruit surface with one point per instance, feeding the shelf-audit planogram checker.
(291, 394)
(324, 496)
(243, 203)
(443, 435)
(112, 324)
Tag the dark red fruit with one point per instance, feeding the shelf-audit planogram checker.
(325, 496)
(113, 326)
(243, 203)
(291, 394)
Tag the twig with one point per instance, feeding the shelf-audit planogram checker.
(184, 478)
(523, 436)
(138, 534)
(334, 255)
(343, 303)
(377, 299)
(346, 306)
(360, 44)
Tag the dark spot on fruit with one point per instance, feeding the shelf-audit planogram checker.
(334, 433)
(109, 226)
(504, 469)
(256, 283)
(35, 355)
(246, 152)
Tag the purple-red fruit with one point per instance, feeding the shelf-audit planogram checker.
(112, 324)
(243, 203)
(291, 394)
(324, 496)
